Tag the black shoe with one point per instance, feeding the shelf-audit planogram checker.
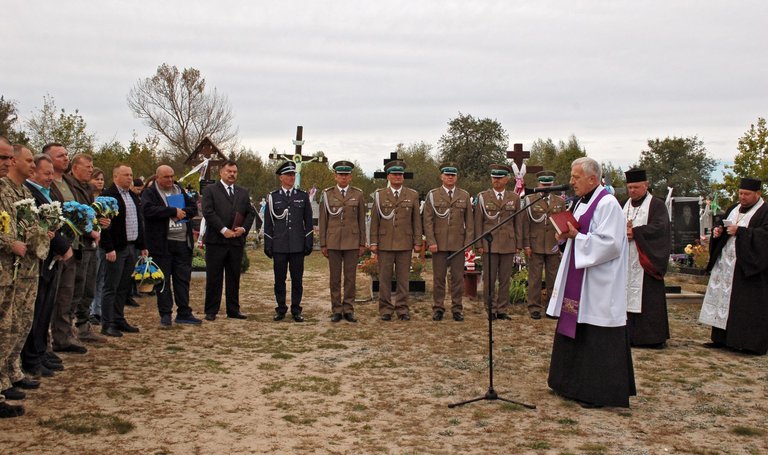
(386, 317)
(279, 317)
(661, 345)
(458, 317)
(237, 316)
(503, 317)
(52, 357)
(53, 366)
(298, 318)
(536, 315)
(493, 316)
(210, 317)
(111, 332)
(10, 410)
(437, 316)
(336, 317)
(131, 302)
(125, 327)
(350, 317)
(77, 349)
(13, 394)
(405, 317)
(94, 319)
(27, 383)
(714, 345)
(587, 405)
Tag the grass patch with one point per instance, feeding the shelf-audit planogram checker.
(593, 448)
(331, 345)
(374, 363)
(88, 424)
(268, 366)
(299, 420)
(143, 391)
(743, 430)
(567, 421)
(282, 356)
(306, 384)
(214, 366)
(539, 445)
(511, 407)
(172, 348)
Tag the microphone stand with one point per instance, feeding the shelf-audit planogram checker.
(491, 394)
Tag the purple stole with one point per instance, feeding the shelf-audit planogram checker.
(569, 311)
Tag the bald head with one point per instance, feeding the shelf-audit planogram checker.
(164, 177)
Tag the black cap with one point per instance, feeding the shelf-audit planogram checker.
(636, 175)
(343, 167)
(286, 168)
(748, 183)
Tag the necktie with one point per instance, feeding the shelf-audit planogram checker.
(397, 194)
(230, 191)
(499, 196)
(450, 194)
(343, 193)
(288, 193)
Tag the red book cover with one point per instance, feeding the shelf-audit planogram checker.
(238, 221)
(561, 220)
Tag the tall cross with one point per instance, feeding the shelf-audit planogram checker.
(297, 157)
(517, 154)
(383, 174)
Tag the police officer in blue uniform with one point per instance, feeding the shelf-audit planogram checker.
(288, 238)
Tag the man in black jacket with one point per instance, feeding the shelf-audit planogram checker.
(228, 216)
(33, 357)
(167, 210)
(121, 241)
(288, 238)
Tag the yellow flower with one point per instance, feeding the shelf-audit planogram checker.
(688, 249)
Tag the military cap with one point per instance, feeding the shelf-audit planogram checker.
(500, 170)
(343, 167)
(289, 167)
(546, 177)
(748, 183)
(395, 167)
(636, 175)
(449, 169)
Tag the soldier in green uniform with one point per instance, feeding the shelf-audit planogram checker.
(395, 232)
(492, 206)
(342, 238)
(19, 279)
(448, 225)
(540, 244)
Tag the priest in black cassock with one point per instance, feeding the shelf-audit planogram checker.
(735, 302)
(591, 359)
(649, 238)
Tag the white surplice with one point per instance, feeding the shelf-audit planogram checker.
(603, 252)
(636, 274)
(717, 300)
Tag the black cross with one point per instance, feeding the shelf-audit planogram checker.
(297, 156)
(383, 174)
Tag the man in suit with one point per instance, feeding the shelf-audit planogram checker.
(493, 206)
(395, 232)
(342, 238)
(288, 237)
(122, 241)
(167, 210)
(229, 216)
(540, 244)
(33, 358)
(448, 225)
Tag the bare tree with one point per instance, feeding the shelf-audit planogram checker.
(177, 106)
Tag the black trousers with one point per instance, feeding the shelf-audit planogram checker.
(222, 261)
(177, 268)
(117, 285)
(282, 263)
(37, 341)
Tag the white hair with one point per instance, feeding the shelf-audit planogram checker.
(588, 165)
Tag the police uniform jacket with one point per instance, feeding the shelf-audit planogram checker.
(403, 231)
(448, 223)
(538, 231)
(489, 212)
(288, 223)
(342, 219)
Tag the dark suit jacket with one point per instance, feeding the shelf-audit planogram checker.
(114, 237)
(292, 234)
(82, 195)
(59, 243)
(219, 212)
(156, 216)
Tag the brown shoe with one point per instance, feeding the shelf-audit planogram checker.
(84, 333)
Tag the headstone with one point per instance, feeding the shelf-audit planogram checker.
(685, 222)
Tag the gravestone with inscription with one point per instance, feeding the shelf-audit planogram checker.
(685, 222)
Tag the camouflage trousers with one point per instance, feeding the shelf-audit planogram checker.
(17, 304)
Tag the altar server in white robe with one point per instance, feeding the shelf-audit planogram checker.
(591, 360)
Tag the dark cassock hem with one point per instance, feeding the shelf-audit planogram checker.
(651, 327)
(596, 367)
(720, 337)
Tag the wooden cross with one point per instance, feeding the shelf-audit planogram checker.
(517, 154)
(383, 174)
(297, 157)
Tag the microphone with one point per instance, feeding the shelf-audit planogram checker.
(549, 189)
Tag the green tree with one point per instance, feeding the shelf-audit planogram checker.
(420, 160)
(8, 117)
(253, 174)
(473, 144)
(555, 157)
(751, 159)
(49, 124)
(177, 105)
(615, 177)
(682, 163)
(108, 156)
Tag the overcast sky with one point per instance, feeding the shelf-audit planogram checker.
(362, 77)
